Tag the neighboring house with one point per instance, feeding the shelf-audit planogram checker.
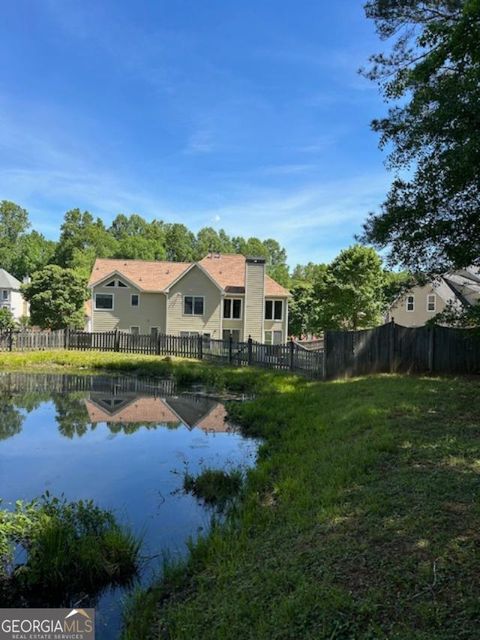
(218, 296)
(422, 303)
(10, 296)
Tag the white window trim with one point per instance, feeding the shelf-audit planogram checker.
(135, 306)
(406, 304)
(432, 295)
(104, 294)
(230, 317)
(273, 332)
(273, 300)
(5, 297)
(193, 314)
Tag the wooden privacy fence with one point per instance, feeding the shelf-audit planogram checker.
(32, 340)
(392, 348)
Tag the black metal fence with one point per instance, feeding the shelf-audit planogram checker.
(281, 357)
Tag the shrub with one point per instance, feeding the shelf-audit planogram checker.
(214, 486)
(70, 548)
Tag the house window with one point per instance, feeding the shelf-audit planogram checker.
(410, 303)
(154, 333)
(232, 308)
(111, 284)
(121, 284)
(235, 333)
(431, 302)
(135, 300)
(273, 337)
(188, 334)
(193, 305)
(135, 330)
(103, 301)
(273, 309)
(5, 294)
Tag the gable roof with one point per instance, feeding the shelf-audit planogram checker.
(147, 276)
(7, 281)
(227, 270)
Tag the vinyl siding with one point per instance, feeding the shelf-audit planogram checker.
(420, 315)
(150, 313)
(254, 300)
(195, 283)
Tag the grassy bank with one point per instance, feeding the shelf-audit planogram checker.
(183, 370)
(361, 521)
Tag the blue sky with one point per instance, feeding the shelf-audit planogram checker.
(244, 115)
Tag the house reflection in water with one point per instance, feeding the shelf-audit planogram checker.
(187, 409)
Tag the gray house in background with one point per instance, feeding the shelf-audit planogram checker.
(10, 296)
(422, 303)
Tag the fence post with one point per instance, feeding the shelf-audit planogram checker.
(116, 345)
(391, 347)
(292, 347)
(250, 350)
(66, 338)
(230, 348)
(431, 348)
(10, 340)
(200, 347)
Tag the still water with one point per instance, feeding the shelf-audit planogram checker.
(123, 442)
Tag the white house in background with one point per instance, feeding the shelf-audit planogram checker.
(422, 303)
(10, 296)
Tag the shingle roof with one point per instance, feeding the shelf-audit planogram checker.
(148, 276)
(7, 281)
(142, 409)
(228, 271)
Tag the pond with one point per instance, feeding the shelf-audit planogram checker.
(123, 442)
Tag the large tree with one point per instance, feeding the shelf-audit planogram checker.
(349, 294)
(82, 239)
(430, 219)
(57, 297)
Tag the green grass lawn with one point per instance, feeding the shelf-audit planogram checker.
(360, 521)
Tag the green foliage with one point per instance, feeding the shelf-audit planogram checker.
(430, 220)
(72, 548)
(351, 295)
(302, 310)
(56, 298)
(7, 320)
(458, 316)
(21, 253)
(31, 253)
(82, 239)
(348, 293)
(214, 486)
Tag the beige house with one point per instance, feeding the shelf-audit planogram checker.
(422, 303)
(218, 296)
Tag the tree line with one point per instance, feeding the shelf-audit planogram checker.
(351, 292)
